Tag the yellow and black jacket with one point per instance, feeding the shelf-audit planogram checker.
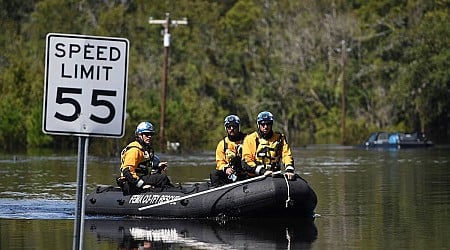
(259, 154)
(139, 160)
(229, 152)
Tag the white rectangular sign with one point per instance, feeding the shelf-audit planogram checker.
(85, 90)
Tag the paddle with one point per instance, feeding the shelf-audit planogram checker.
(207, 191)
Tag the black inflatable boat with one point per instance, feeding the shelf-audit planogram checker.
(257, 197)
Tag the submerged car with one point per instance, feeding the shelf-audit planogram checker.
(397, 140)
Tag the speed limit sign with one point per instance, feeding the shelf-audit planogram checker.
(85, 88)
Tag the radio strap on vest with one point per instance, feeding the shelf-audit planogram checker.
(225, 145)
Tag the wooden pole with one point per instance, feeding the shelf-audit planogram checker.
(162, 120)
(343, 101)
(166, 43)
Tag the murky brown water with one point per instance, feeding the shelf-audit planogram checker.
(367, 200)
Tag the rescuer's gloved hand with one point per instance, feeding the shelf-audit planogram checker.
(128, 176)
(229, 170)
(268, 173)
(163, 166)
(290, 175)
(139, 183)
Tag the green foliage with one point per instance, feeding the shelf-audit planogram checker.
(11, 126)
(242, 57)
(427, 77)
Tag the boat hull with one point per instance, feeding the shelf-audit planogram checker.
(268, 197)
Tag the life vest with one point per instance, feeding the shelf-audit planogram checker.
(146, 164)
(233, 156)
(268, 153)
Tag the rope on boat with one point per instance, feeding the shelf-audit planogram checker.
(206, 191)
(288, 201)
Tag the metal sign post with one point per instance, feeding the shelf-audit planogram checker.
(85, 92)
(81, 192)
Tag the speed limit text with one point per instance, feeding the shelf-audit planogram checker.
(87, 52)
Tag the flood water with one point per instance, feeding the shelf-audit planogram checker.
(368, 199)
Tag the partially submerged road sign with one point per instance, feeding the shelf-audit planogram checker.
(86, 80)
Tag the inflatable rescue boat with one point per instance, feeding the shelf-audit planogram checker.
(272, 196)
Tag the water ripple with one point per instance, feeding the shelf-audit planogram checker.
(37, 209)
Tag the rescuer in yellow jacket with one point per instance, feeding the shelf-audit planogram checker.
(139, 164)
(229, 154)
(265, 151)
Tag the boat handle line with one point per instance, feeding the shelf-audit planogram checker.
(208, 191)
(288, 200)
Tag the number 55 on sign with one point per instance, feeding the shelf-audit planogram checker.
(85, 88)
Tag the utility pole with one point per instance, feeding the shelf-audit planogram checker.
(166, 43)
(343, 51)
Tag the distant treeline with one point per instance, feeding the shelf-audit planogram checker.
(389, 59)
